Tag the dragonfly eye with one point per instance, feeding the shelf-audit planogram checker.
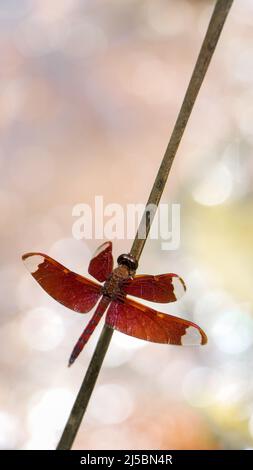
(129, 261)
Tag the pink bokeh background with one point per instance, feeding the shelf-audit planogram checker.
(89, 92)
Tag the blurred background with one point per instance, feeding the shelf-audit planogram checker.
(89, 93)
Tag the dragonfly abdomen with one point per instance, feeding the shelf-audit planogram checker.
(100, 310)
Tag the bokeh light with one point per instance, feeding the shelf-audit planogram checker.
(119, 404)
(42, 329)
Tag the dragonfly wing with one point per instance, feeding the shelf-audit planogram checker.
(142, 322)
(70, 289)
(102, 262)
(163, 288)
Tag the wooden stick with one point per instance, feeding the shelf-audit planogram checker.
(217, 21)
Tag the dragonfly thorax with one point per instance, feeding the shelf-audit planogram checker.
(113, 285)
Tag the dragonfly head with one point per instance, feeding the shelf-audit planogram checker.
(129, 261)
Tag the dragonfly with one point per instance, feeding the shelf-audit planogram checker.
(111, 296)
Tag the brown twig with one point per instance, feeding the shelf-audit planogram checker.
(217, 21)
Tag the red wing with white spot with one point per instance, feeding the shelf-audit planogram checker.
(70, 289)
(163, 288)
(142, 322)
(101, 264)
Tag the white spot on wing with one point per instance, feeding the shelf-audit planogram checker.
(192, 337)
(101, 248)
(178, 287)
(32, 263)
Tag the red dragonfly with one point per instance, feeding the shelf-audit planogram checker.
(123, 313)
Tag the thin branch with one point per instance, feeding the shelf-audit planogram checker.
(217, 21)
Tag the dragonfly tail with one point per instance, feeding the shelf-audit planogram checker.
(103, 304)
